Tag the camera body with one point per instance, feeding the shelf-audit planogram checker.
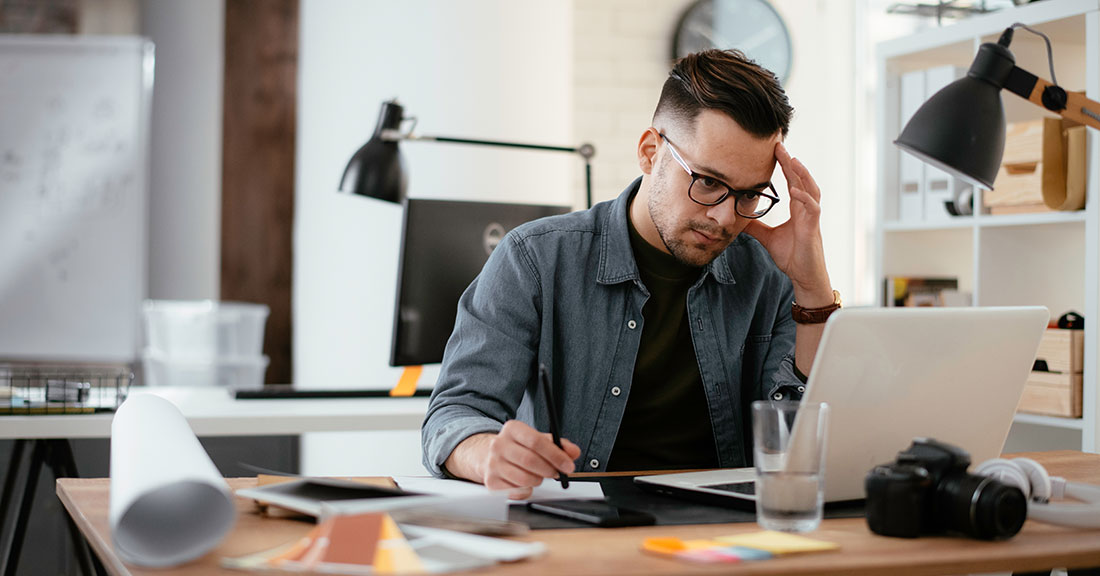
(927, 490)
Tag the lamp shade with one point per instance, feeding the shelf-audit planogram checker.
(377, 169)
(961, 128)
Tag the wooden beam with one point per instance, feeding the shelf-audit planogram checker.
(259, 119)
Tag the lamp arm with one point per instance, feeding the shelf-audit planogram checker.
(1042, 93)
(585, 150)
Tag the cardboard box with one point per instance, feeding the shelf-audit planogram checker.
(1062, 350)
(1052, 394)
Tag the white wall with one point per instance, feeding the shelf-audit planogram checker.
(186, 146)
(498, 69)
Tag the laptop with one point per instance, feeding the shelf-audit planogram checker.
(891, 375)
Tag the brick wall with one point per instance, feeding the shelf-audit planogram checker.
(621, 56)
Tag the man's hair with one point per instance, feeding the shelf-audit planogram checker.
(727, 81)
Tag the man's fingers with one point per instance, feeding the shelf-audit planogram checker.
(541, 444)
(528, 460)
(807, 181)
(785, 162)
(808, 202)
(571, 449)
(520, 493)
(508, 475)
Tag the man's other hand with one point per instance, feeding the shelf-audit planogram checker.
(517, 459)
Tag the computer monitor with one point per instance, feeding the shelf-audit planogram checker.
(444, 245)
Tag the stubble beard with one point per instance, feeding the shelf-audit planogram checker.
(674, 235)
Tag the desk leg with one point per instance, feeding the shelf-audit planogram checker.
(63, 464)
(38, 459)
(12, 476)
(11, 479)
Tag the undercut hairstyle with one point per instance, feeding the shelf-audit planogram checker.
(729, 82)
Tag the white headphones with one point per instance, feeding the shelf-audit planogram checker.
(1039, 488)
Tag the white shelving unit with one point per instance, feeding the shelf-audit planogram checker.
(1048, 259)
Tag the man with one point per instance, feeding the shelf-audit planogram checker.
(660, 315)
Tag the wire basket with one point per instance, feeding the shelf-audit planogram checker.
(41, 389)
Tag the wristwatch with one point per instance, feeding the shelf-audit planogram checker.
(815, 315)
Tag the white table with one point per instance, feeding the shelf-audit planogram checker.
(214, 412)
(209, 411)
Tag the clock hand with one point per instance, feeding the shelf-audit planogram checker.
(709, 35)
(753, 42)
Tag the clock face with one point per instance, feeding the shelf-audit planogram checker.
(752, 26)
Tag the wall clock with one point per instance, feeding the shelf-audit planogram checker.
(752, 26)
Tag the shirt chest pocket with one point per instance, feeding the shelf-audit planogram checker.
(754, 353)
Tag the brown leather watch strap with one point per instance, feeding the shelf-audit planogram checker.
(814, 315)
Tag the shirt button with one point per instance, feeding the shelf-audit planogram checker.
(593, 463)
(615, 391)
(777, 396)
(632, 324)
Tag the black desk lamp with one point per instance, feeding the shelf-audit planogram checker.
(377, 169)
(961, 128)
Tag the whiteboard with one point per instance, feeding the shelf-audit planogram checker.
(74, 118)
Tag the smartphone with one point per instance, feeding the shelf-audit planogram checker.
(597, 512)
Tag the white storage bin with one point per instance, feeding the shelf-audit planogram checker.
(240, 372)
(204, 329)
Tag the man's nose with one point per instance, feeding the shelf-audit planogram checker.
(724, 214)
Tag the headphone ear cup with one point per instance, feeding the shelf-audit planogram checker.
(1007, 472)
(1037, 476)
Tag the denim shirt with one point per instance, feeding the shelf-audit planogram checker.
(564, 291)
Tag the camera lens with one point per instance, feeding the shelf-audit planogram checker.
(980, 506)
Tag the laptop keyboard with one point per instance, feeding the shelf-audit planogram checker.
(738, 487)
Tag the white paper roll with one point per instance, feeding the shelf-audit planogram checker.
(169, 504)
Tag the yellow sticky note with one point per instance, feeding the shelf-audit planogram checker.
(778, 542)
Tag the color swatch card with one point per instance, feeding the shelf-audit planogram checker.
(372, 543)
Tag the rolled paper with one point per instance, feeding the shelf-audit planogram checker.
(169, 504)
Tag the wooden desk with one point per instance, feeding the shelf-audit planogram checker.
(616, 551)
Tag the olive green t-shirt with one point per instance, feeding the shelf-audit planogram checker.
(666, 424)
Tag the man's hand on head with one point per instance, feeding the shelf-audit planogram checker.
(795, 245)
(517, 459)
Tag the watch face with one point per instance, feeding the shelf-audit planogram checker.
(752, 26)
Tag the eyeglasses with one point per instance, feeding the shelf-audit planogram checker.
(710, 191)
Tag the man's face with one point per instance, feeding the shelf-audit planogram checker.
(718, 148)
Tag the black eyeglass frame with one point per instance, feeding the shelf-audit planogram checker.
(730, 191)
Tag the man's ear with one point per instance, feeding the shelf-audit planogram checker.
(647, 150)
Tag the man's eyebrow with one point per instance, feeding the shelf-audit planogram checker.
(706, 171)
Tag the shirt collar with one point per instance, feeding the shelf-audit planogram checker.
(617, 262)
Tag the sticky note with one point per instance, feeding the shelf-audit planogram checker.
(778, 542)
(703, 551)
(663, 545)
(708, 556)
(747, 554)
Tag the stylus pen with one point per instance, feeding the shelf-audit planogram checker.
(555, 431)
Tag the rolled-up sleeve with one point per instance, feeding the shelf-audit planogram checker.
(490, 357)
(785, 383)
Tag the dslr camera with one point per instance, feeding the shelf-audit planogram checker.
(928, 491)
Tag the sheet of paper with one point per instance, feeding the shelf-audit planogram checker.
(549, 490)
(169, 504)
(484, 547)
